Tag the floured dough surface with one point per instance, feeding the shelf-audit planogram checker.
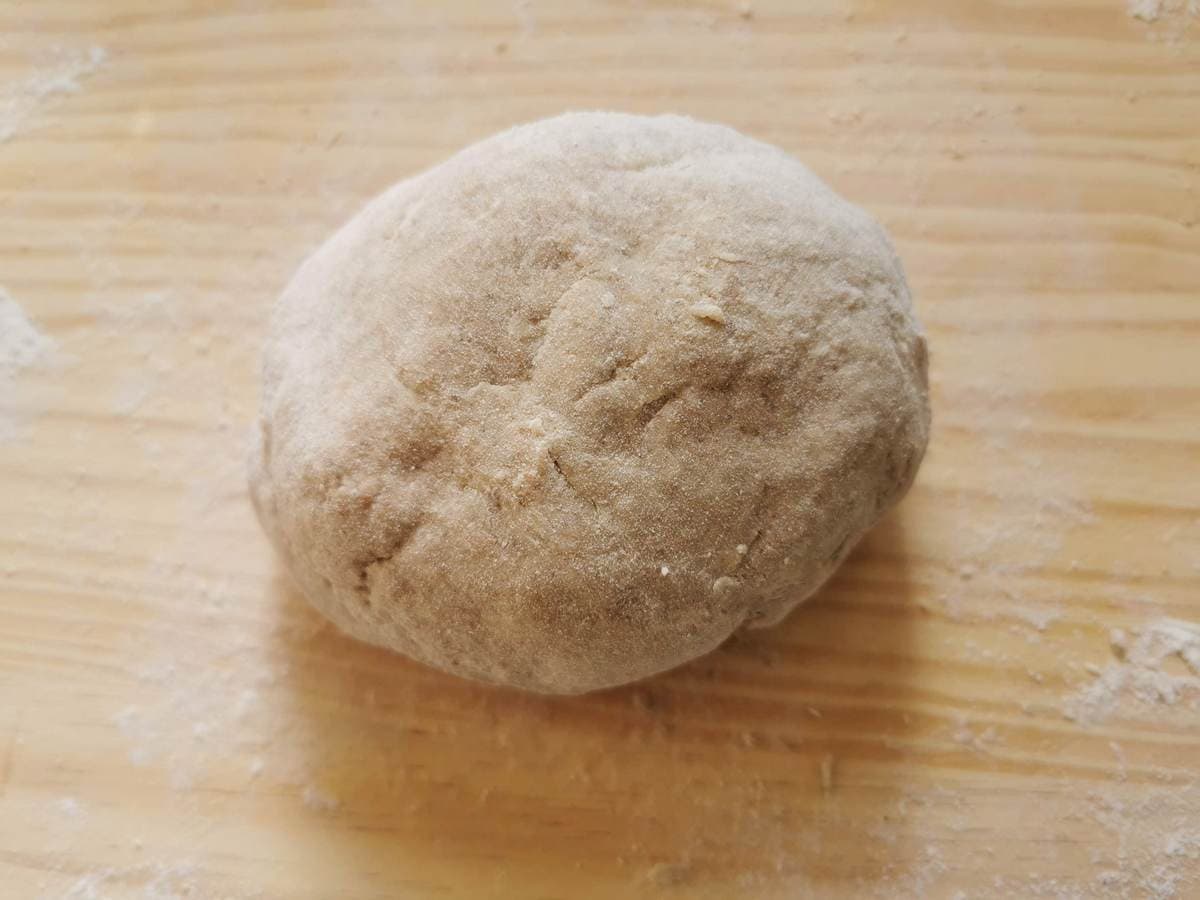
(578, 403)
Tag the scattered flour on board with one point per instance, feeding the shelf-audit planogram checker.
(22, 346)
(1146, 10)
(1011, 531)
(1153, 839)
(1139, 675)
(159, 881)
(1166, 20)
(58, 76)
(1140, 841)
(1151, 11)
(979, 741)
(210, 687)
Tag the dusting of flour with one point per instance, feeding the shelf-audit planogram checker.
(58, 76)
(22, 346)
(1166, 21)
(1140, 675)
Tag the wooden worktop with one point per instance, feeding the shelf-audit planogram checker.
(997, 696)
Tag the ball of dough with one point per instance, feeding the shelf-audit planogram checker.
(577, 404)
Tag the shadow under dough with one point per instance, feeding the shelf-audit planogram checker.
(768, 767)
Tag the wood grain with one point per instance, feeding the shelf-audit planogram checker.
(175, 722)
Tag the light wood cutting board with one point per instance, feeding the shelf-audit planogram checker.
(999, 694)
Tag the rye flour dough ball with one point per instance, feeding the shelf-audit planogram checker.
(577, 404)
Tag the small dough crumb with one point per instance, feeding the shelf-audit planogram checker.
(707, 311)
